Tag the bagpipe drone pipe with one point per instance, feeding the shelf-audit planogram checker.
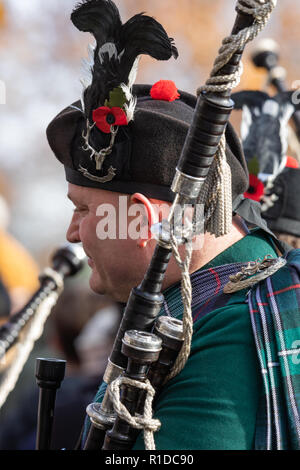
(135, 347)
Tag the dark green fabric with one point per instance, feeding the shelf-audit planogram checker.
(255, 245)
(213, 402)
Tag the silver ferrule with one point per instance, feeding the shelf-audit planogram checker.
(142, 341)
(161, 232)
(170, 327)
(112, 372)
(186, 185)
(102, 414)
(182, 228)
(99, 418)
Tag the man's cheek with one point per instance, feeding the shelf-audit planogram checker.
(95, 281)
(106, 227)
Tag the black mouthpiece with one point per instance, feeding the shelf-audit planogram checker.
(266, 54)
(68, 259)
(49, 373)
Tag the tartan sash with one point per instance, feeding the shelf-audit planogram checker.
(274, 306)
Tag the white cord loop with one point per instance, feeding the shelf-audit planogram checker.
(145, 422)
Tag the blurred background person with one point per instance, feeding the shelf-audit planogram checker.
(268, 135)
(18, 268)
(40, 48)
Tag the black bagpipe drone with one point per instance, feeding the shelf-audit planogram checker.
(146, 345)
(135, 347)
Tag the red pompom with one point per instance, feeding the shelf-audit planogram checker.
(291, 162)
(164, 90)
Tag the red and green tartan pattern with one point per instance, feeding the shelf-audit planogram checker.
(275, 315)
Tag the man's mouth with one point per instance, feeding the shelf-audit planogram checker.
(90, 262)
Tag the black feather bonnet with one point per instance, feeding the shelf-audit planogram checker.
(123, 137)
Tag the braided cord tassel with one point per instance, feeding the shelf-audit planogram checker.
(186, 294)
(216, 195)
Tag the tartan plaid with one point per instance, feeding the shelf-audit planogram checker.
(205, 300)
(275, 315)
(274, 306)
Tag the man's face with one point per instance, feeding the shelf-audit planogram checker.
(117, 264)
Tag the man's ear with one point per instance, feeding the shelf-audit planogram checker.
(151, 215)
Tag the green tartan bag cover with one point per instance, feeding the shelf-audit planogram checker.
(274, 306)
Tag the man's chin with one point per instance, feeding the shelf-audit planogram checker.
(96, 285)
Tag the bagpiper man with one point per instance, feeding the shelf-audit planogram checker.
(124, 140)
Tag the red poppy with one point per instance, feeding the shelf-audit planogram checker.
(256, 189)
(106, 117)
(164, 90)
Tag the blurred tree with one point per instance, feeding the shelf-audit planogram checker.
(202, 24)
(193, 19)
(41, 53)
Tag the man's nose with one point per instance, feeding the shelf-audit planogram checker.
(73, 230)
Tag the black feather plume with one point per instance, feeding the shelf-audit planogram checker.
(98, 17)
(117, 46)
